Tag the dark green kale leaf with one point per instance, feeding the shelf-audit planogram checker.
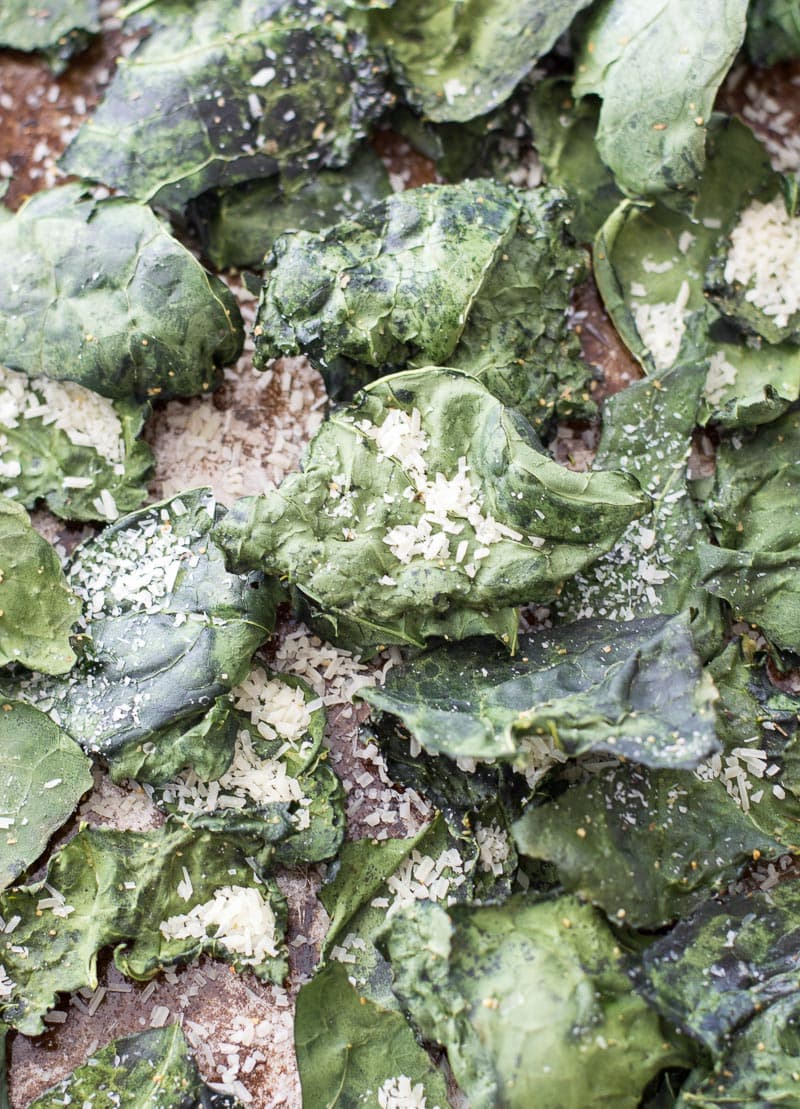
(65, 444)
(753, 508)
(427, 508)
(651, 266)
(274, 785)
(760, 1067)
(657, 70)
(43, 775)
(726, 964)
(773, 31)
(654, 567)
(351, 1050)
(531, 1001)
(647, 846)
(238, 226)
(564, 130)
(458, 61)
(167, 631)
(636, 689)
(98, 292)
(112, 888)
(37, 607)
(224, 93)
(476, 276)
(758, 726)
(149, 1068)
(60, 30)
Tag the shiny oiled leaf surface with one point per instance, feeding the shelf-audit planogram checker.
(636, 689)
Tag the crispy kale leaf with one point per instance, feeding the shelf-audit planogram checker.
(458, 61)
(149, 1068)
(60, 29)
(350, 1049)
(98, 292)
(517, 992)
(238, 226)
(635, 689)
(43, 775)
(166, 631)
(112, 888)
(564, 130)
(65, 444)
(274, 785)
(773, 31)
(657, 68)
(753, 510)
(37, 607)
(476, 276)
(651, 266)
(224, 93)
(654, 568)
(646, 845)
(724, 965)
(758, 726)
(427, 508)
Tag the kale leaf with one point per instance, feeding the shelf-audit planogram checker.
(476, 276)
(98, 292)
(427, 508)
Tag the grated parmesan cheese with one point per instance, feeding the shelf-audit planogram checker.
(398, 1093)
(764, 256)
(237, 917)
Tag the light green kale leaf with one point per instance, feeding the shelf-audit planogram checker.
(458, 61)
(239, 225)
(220, 94)
(167, 631)
(274, 785)
(636, 689)
(37, 606)
(773, 31)
(351, 1050)
(149, 1068)
(651, 265)
(98, 292)
(654, 567)
(43, 775)
(477, 276)
(564, 130)
(111, 888)
(65, 444)
(753, 511)
(60, 30)
(531, 1002)
(657, 68)
(645, 845)
(373, 880)
(427, 508)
